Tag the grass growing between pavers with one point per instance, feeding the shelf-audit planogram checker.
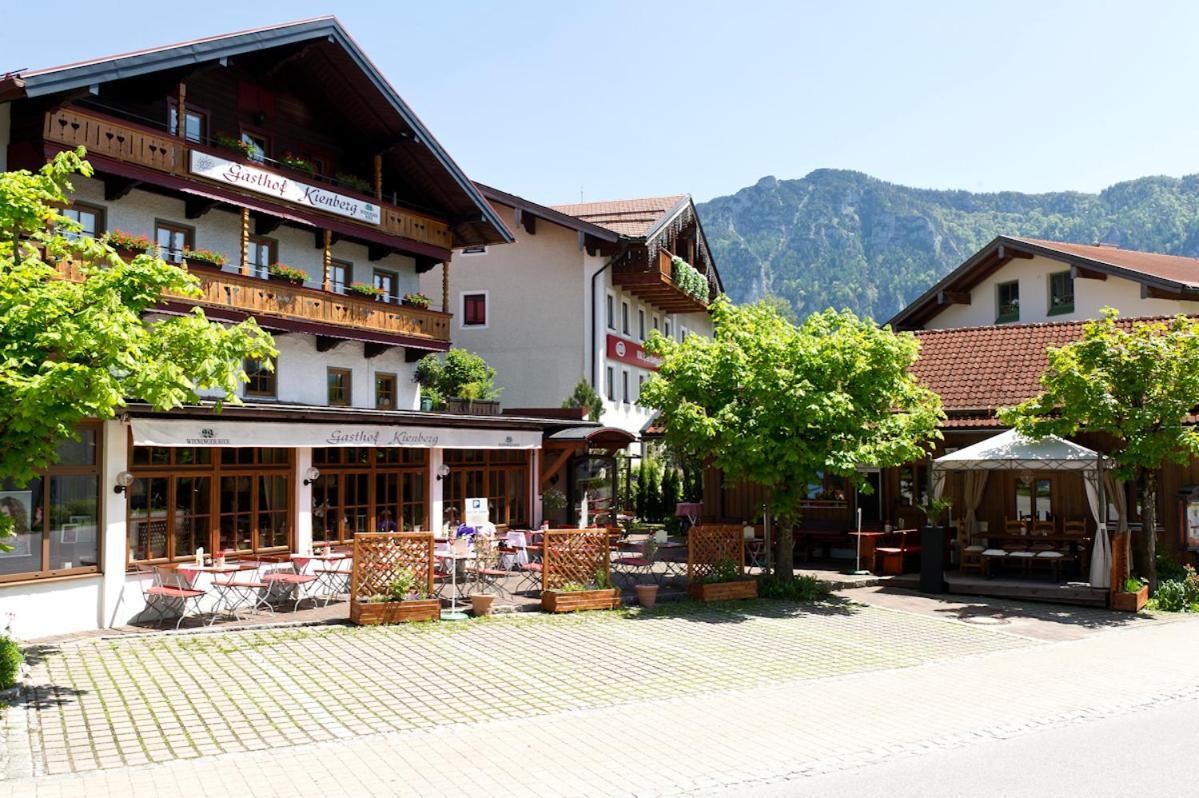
(110, 703)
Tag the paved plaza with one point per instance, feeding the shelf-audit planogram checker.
(682, 698)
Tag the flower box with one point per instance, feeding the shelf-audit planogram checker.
(577, 600)
(202, 264)
(373, 614)
(1131, 602)
(724, 591)
(473, 407)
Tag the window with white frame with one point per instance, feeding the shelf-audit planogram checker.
(640, 324)
(666, 328)
(610, 385)
(656, 327)
(611, 313)
(624, 317)
(624, 386)
(474, 309)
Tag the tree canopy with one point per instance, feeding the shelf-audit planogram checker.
(1135, 383)
(780, 404)
(75, 349)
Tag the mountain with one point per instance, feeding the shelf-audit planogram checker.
(844, 239)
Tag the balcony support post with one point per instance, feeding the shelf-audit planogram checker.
(326, 257)
(181, 112)
(379, 178)
(245, 241)
(445, 287)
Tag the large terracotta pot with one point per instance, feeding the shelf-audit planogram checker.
(647, 595)
(480, 604)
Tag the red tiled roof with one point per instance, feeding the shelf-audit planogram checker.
(977, 370)
(630, 217)
(1175, 268)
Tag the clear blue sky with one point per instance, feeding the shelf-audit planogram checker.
(640, 98)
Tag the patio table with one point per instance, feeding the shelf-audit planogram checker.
(328, 576)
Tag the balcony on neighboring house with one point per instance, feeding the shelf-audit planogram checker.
(285, 307)
(140, 153)
(652, 279)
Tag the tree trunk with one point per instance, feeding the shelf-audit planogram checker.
(1146, 546)
(784, 550)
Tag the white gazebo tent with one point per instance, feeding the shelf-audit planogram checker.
(1011, 451)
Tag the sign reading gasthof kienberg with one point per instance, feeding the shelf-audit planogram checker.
(261, 181)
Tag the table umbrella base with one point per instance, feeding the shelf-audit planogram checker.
(453, 615)
(859, 572)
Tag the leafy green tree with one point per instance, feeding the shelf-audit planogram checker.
(460, 374)
(779, 404)
(71, 350)
(1135, 384)
(585, 396)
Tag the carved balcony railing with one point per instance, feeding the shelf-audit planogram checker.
(274, 298)
(156, 150)
(656, 286)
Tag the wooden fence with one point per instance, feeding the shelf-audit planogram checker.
(708, 544)
(575, 556)
(380, 556)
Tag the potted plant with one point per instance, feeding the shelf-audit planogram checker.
(298, 163)
(286, 274)
(552, 501)
(366, 290)
(128, 245)
(647, 595)
(233, 143)
(574, 596)
(724, 582)
(404, 601)
(480, 604)
(354, 181)
(1133, 597)
(203, 259)
(415, 299)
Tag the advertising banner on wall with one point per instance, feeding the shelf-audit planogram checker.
(628, 352)
(262, 181)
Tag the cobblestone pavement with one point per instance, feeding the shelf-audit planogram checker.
(111, 703)
(678, 700)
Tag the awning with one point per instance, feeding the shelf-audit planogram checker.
(218, 433)
(598, 436)
(1011, 451)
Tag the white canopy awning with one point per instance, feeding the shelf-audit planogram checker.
(220, 432)
(1011, 451)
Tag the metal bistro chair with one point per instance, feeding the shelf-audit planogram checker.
(529, 568)
(488, 570)
(166, 588)
(238, 589)
(287, 580)
(640, 564)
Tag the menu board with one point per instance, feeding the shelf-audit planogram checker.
(476, 513)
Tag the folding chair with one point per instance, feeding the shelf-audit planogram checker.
(238, 589)
(168, 588)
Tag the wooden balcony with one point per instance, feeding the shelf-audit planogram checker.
(658, 288)
(311, 309)
(155, 150)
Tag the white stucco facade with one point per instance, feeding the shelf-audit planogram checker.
(546, 328)
(1033, 277)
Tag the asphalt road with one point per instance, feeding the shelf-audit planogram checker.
(1146, 752)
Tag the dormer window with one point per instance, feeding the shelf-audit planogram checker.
(1008, 297)
(1061, 293)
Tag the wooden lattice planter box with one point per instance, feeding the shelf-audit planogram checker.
(577, 600)
(1131, 602)
(368, 614)
(724, 591)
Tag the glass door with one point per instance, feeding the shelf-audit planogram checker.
(148, 518)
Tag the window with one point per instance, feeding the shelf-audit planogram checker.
(624, 386)
(1034, 499)
(610, 385)
(480, 250)
(259, 148)
(656, 327)
(499, 475)
(385, 391)
(172, 240)
(184, 499)
(89, 217)
(262, 377)
(338, 381)
(610, 315)
(640, 385)
(195, 123)
(55, 515)
(682, 333)
(387, 283)
(474, 309)
(260, 254)
(640, 324)
(1008, 297)
(341, 274)
(341, 500)
(666, 328)
(624, 317)
(1061, 293)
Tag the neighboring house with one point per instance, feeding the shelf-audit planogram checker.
(1026, 280)
(577, 295)
(278, 145)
